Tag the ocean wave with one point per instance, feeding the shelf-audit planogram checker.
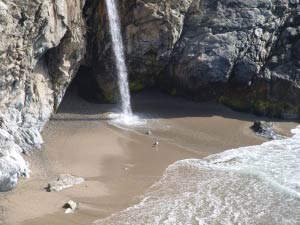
(250, 185)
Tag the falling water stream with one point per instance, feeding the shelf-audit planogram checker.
(118, 48)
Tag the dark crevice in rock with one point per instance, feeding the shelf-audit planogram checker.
(85, 85)
(22, 19)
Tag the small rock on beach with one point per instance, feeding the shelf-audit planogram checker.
(64, 181)
(70, 207)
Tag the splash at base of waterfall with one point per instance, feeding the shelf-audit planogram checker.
(123, 120)
(129, 120)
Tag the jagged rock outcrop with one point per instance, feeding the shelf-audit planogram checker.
(266, 130)
(151, 30)
(64, 181)
(42, 44)
(244, 53)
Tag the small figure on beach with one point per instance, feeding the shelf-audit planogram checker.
(155, 144)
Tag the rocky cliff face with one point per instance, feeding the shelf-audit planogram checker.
(244, 53)
(151, 30)
(42, 44)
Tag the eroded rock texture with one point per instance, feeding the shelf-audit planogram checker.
(243, 50)
(244, 53)
(42, 44)
(150, 29)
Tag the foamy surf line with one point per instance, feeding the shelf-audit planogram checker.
(250, 185)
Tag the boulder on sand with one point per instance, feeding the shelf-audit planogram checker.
(64, 181)
(70, 207)
(266, 130)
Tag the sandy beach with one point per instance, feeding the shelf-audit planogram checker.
(119, 164)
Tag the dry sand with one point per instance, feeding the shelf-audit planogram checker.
(119, 165)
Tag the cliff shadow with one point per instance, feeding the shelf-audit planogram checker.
(80, 104)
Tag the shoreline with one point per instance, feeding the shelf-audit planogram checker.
(118, 165)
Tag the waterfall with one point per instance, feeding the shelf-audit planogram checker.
(118, 48)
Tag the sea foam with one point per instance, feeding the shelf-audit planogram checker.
(250, 185)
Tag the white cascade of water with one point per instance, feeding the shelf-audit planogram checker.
(118, 48)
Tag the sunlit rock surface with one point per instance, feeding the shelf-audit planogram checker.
(42, 44)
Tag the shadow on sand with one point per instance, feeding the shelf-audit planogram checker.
(149, 105)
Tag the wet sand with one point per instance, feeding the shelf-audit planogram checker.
(119, 164)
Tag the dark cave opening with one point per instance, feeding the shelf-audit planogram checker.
(85, 85)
